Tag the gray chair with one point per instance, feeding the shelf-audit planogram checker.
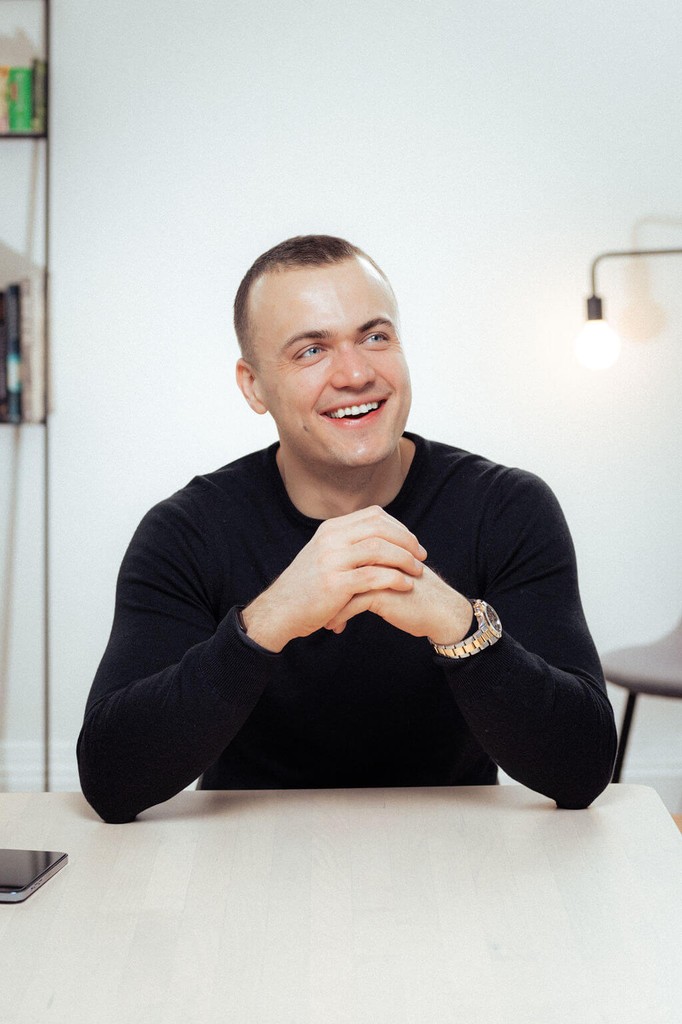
(654, 669)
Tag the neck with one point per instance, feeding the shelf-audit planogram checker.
(327, 494)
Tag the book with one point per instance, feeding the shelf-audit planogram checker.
(39, 97)
(13, 363)
(32, 348)
(4, 90)
(3, 361)
(19, 99)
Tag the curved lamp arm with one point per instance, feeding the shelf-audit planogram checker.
(597, 345)
(594, 302)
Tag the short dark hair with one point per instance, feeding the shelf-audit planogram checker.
(300, 251)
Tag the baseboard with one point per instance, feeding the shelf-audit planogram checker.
(22, 767)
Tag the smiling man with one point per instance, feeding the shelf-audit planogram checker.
(353, 606)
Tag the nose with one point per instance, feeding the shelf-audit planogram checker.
(351, 368)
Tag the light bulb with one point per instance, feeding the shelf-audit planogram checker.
(597, 346)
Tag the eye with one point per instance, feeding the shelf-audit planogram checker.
(376, 338)
(311, 352)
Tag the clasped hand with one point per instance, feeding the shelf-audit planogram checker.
(365, 561)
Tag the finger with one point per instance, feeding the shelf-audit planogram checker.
(375, 521)
(369, 578)
(356, 605)
(377, 551)
(371, 601)
(393, 530)
(371, 586)
(337, 626)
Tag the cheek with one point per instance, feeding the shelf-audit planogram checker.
(294, 399)
(397, 375)
(294, 404)
(276, 396)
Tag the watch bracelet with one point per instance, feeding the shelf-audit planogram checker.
(465, 648)
(483, 637)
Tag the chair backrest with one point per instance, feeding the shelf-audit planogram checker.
(649, 668)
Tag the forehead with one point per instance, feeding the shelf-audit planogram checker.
(330, 297)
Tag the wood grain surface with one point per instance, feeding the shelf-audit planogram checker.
(467, 905)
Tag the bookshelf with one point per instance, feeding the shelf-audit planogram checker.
(25, 32)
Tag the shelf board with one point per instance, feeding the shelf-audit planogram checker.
(23, 135)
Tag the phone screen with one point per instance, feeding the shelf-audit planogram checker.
(24, 871)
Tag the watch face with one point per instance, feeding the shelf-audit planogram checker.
(492, 618)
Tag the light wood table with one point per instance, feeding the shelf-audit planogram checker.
(429, 906)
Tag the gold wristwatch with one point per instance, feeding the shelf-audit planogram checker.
(488, 633)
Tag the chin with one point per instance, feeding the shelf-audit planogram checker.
(363, 458)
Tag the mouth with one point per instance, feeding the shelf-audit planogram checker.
(354, 412)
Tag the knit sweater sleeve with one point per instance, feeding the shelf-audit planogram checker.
(176, 682)
(536, 700)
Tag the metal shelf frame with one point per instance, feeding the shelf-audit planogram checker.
(43, 139)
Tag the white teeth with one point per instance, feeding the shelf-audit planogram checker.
(354, 410)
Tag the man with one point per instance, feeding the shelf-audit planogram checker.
(354, 606)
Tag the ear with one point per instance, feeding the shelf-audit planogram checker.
(247, 382)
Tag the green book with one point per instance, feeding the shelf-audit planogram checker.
(19, 99)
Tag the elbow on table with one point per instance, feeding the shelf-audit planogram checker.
(588, 770)
(577, 803)
(103, 793)
(577, 794)
(109, 814)
(110, 808)
(573, 784)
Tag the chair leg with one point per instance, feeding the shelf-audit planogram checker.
(624, 733)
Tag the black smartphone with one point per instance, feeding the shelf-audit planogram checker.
(24, 871)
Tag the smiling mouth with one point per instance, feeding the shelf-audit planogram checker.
(355, 412)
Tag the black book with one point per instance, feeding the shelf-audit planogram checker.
(13, 362)
(39, 97)
(3, 361)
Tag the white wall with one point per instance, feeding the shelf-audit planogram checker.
(482, 152)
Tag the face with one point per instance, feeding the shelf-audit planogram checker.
(329, 366)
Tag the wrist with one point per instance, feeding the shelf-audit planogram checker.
(456, 621)
(256, 623)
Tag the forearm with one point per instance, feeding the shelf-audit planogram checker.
(546, 727)
(147, 738)
(536, 700)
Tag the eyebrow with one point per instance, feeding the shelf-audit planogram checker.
(325, 335)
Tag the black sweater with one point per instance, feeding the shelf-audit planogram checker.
(181, 692)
